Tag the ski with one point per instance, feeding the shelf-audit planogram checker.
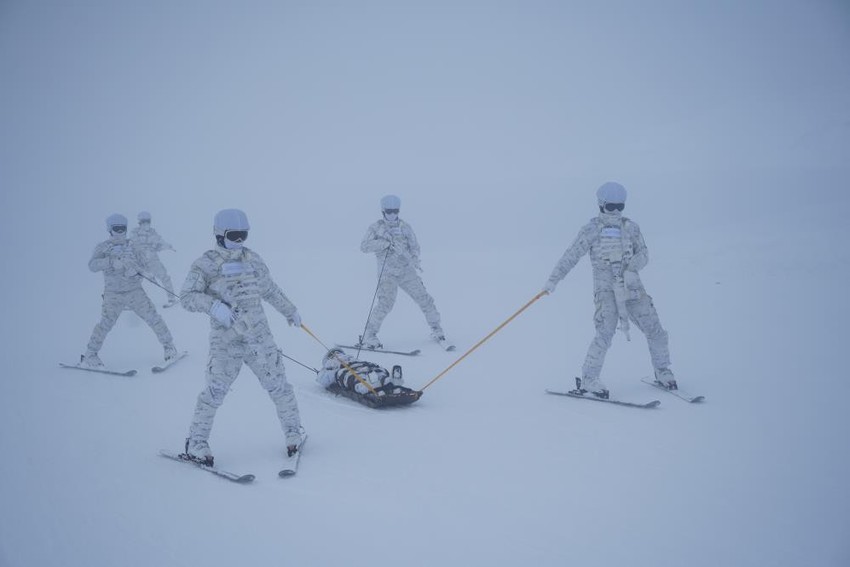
(678, 393)
(169, 305)
(169, 363)
(184, 458)
(364, 348)
(447, 346)
(291, 466)
(575, 394)
(99, 370)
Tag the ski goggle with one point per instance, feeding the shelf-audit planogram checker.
(236, 235)
(119, 228)
(611, 207)
(391, 211)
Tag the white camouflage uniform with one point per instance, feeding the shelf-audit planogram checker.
(121, 262)
(334, 372)
(150, 243)
(240, 279)
(606, 237)
(397, 252)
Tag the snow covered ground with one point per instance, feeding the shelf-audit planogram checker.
(494, 122)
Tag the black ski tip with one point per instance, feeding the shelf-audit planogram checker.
(245, 479)
(697, 399)
(286, 473)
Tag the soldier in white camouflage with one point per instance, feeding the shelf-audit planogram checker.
(229, 283)
(396, 250)
(122, 265)
(617, 253)
(150, 244)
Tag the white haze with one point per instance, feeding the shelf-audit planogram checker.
(727, 121)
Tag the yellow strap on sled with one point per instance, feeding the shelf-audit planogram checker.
(485, 339)
(350, 369)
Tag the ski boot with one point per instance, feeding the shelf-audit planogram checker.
(595, 387)
(169, 352)
(91, 360)
(665, 378)
(199, 451)
(369, 341)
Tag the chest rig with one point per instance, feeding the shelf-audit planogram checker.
(144, 237)
(612, 250)
(237, 285)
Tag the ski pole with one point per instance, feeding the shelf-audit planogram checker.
(349, 368)
(296, 362)
(485, 339)
(159, 286)
(377, 287)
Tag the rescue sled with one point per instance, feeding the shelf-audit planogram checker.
(387, 396)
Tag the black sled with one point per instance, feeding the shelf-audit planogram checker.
(388, 396)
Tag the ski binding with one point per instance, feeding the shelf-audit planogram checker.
(169, 363)
(292, 461)
(184, 458)
(580, 394)
(678, 393)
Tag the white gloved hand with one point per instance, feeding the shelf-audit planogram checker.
(222, 313)
(549, 287)
(294, 319)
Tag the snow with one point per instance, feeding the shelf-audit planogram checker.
(729, 124)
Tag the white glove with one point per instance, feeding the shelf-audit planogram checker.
(222, 313)
(294, 320)
(417, 265)
(549, 287)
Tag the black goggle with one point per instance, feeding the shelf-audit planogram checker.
(391, 211)
(236, 235)
(611, 207)
(119, 228)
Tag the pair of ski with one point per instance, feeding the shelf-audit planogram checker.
(156, 369)
(443, 343)
(290, 468)
(646, 380)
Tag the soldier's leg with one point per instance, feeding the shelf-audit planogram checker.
(643, 313)
(161, 274)
(141, 304)
(387, 293)
(413, 285)
(223, 366)
(113, 305)
(267, 363)
(605, 320)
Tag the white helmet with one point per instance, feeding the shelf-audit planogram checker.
(333, 354)
(231, 221)
(144, 216)
(390, 202)
(116, 223)
(611, 193)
